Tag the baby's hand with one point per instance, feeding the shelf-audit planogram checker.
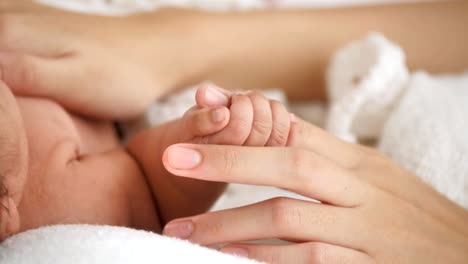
(220, 117)
(250, 119)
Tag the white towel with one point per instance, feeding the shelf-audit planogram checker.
(85, 244)
(364, 81)
(122, 7)
(420, 120)
(428, 133)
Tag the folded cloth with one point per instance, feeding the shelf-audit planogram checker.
(418, 120)
(86, 244)
(364, 82)
(427, 133)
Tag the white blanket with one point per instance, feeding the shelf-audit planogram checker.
(119, 7)
(420, 120)
(84, 244)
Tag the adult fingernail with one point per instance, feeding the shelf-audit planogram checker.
(179, 229)
(213, 96)
(218, 115)
(183, 158)
(235, 251)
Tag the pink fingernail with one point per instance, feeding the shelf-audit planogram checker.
(183, 158)
(179, 229)
(213, 96)
(235, 251)
(218, 115)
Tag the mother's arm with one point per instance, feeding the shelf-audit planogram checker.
(372, 211)
(114, 67)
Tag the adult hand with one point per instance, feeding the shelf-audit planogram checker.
(372, 211)
(109, 67)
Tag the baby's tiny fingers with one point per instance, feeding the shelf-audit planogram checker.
(262, 121)
(281, 124)
(240, 123)
(209, 95)
(206, 121)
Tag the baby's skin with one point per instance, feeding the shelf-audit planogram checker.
(62, 169)
(219, 117)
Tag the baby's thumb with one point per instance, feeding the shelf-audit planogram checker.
(201, 123)
(210, 95)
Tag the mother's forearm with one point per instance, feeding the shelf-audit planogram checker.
(291, 49)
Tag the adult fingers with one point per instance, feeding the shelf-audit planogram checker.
(312, 252)
(295, 169)
(276, 218)
(281, 124)
(31, 75)
(78, 86)
(306, 135)
(262, 121)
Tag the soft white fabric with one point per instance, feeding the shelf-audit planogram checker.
(121, 7)
(365, 79)
(426, 132)
(85, 244)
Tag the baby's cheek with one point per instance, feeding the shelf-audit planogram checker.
(114, 190)
(100, 188)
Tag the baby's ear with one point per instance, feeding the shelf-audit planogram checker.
(210, 95)
(9, 218)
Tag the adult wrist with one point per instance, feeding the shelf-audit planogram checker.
(174, 46)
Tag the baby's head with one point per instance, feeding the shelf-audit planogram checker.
(13, 162)
(58, 168)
